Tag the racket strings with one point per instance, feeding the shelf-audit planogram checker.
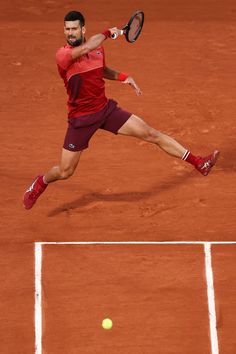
(135, 27)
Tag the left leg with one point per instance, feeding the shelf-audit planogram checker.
(136, 127)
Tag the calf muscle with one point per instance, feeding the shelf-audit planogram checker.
(138, 128)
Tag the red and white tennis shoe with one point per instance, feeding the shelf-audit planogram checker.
(33, 192)
(205, 164)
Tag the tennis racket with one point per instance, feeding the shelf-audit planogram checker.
(133, 28)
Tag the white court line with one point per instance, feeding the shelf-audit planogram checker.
(208, 269)
(211, 299)
(38, 298)
(136, 243)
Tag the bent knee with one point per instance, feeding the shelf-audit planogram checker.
(66, 173)
(152, 135)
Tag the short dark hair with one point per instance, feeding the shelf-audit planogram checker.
(74, 16)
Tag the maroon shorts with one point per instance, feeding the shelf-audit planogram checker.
(80, 130)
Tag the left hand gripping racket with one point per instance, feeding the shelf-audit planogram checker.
(133, 28)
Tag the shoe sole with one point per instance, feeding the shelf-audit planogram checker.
(31, 206)
(25, 206)
(216, 155)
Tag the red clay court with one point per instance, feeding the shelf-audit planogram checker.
(144, 239)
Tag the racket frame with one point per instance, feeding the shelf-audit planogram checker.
(125, 30)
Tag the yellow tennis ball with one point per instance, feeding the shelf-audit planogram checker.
(107, 323)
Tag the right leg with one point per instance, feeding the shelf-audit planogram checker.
(66, 168)
(77, 138)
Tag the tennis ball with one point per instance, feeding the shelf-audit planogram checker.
(107, 323)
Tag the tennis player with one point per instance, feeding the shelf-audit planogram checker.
(81, 65)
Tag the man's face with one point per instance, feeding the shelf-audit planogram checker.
(74, 33)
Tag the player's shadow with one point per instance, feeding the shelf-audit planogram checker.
(90, 198)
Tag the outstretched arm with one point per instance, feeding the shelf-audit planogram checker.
(111, 74)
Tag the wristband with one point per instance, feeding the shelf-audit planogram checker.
(106, 33)
(122, 76)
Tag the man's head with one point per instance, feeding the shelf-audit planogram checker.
(74, 28)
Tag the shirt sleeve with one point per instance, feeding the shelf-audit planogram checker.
(64, 58)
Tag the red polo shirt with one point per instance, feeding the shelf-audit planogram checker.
(83, 78)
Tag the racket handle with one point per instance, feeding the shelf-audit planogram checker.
(114, 35)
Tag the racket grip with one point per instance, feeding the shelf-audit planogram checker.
(114, 35)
